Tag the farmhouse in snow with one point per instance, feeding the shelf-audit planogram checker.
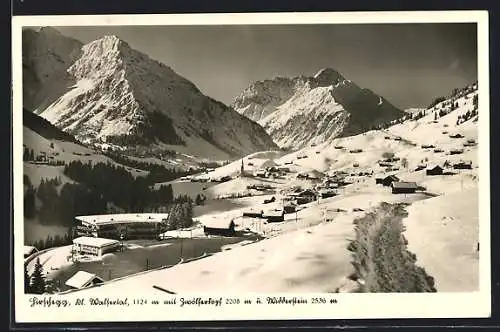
(463, 165)
(420, 167)
(327, 193)
(456, 151)
(404, 187)
(386, 182)
(306, 196)
(83, 279)
(253, 213)
(434, 170)
(217, 226)
(274, 215)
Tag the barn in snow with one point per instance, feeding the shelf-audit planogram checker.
(83, 279)
(404, 187)
(434, 170)
(218, 226)
(274, 215)
(386, 182)
(463, 165)
(306, 196)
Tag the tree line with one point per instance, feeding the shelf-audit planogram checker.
(180, 213)
(34, 283)
(53, 241)
(115, 184)
(96, 186)
(60, 203)
(157, 172)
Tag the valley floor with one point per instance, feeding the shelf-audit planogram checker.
(307, 254)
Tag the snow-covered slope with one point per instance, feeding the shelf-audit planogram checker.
(55, 146)
(453, 230)
(122, 96)
(405, 140)
(304, 110)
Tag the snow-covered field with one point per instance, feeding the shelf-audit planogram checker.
(52, 259)
(308, 253)
(451, 232)
(56, 150)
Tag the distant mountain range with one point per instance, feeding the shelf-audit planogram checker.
(302, 110)
(107, 92)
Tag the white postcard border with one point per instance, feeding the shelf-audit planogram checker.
(349, 306)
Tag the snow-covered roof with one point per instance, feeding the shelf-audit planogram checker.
(103, 219)
(220, 223)
(94, 241)
(82, 279)
(273, 213)
(28, 250)
(307, 192)
(410, 185)
(252, 210)
(326, 191)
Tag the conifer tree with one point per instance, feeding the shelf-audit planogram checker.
(27, 281)
(37, 279)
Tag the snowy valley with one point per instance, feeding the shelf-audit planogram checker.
(311, 184)
(325, 230)
(304, 110)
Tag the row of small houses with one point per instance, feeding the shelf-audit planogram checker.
(439, 170)
(272, 171)
(400, 187)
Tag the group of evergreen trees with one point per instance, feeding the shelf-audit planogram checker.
(418, 115)
(157, 172)
(50, 242)
(29, 198)
(28, 154)
(34, 284)
(180, 213)
(115, 184)
(436, 101)
(200, 199)
(467, 116)
(97, 185)
(387, 124)
(60, 207)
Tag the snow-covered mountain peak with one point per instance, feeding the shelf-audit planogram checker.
(327, 76)
(302, 110)
(100, 58)
(118, 95)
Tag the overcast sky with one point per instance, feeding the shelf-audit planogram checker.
(409, 64)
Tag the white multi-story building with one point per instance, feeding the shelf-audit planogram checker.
(94, 246)
(121, 226)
